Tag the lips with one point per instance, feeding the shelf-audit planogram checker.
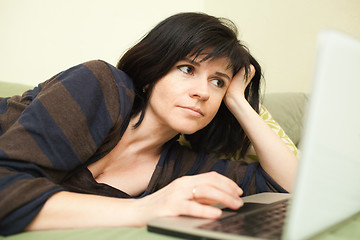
(193, 110)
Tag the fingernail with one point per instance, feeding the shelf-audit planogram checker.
(240, 191)
(216, 212)
(238, 203)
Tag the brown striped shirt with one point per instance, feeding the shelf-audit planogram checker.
(50, 134)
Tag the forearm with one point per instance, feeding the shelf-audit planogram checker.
(274, 156)
(65, 210)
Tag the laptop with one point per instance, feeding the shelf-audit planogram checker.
(327, 190)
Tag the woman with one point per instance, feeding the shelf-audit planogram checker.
(97, 145)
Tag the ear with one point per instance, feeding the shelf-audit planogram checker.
(145, 88)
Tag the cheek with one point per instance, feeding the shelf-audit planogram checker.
(216, 102)
(162, 97)
(157, 101)
(163, 91)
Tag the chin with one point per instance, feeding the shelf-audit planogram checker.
(188, 129)
(188, 132)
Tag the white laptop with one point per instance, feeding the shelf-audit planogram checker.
(327, 190)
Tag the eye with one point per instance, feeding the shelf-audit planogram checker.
(186, 69)
(218, 83)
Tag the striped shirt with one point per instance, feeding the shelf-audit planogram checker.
(50, 134)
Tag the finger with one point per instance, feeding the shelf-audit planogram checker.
(244, 76)
(251, 72)
(240, 74)
(195, 209)
(250, 75)
(210, 195)
(220, 182)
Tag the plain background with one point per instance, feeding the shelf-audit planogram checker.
(40, 38)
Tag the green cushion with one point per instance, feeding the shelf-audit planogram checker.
(288, 110)
(91, 234)
(8, 89)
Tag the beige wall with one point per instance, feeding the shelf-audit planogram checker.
(282, 33)
(39, 38)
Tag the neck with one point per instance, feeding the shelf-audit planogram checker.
(147, 139)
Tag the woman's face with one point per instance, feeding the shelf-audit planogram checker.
(188, 97)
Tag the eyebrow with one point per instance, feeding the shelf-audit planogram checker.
(198, 64)
(191, 61)
(223, 75)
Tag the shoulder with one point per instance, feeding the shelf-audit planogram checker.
(111, 77)
(97, 79)
(97, 70)
(95, 86)
(116, 86)
(104, 70)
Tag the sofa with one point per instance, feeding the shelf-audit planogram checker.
(287, 109)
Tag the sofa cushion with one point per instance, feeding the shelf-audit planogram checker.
(8, 89)
(288, 110)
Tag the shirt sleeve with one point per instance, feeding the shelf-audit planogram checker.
(52, 130)
(251, 177)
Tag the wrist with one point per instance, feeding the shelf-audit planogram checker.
(236, 103)
(141, 212)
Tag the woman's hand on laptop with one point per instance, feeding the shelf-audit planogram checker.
(192, 196)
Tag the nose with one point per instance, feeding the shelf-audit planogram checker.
(200, 90)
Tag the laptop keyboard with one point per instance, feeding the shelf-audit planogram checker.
(266, 222)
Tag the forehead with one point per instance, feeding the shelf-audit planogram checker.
(209, 54)
(223, 63)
